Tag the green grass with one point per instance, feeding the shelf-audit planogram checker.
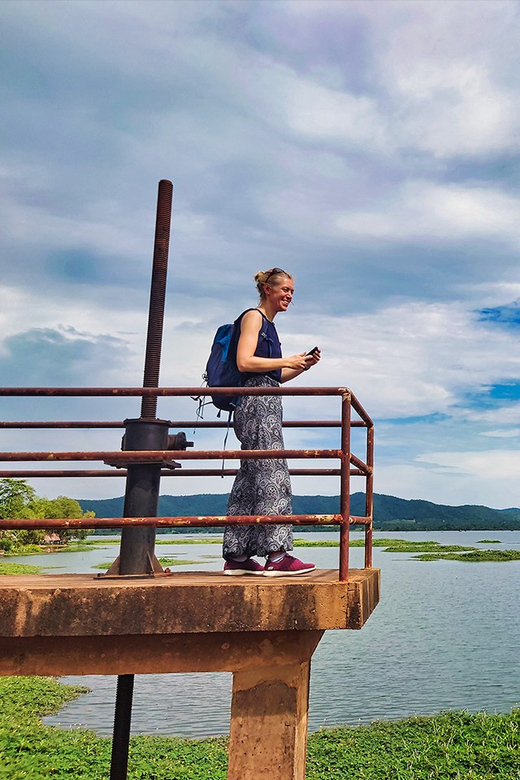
(427, 550)
(37, 549)
(356, 543)
(19, 568)
(31, 751)
(474, 556)
(24, 549)
(163, 561)
(403, 546)
(449, 746)
(217, 540)
(176, 562)
(75, 547)
(201, 540)
(323, 543)
(390, 545)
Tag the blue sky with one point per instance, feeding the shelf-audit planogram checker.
(371, 148)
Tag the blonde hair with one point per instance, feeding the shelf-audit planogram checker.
(271, 277)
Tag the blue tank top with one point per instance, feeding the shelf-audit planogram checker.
(268, 346)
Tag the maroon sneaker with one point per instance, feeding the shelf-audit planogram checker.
(249, 566)
(287, 567)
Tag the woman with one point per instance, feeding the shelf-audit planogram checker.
(263, 487)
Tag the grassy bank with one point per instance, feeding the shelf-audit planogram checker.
(454, 746)
(423, 550)
(427, 550)
(18, 568)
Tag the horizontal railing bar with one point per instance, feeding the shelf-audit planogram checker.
(164, 522)
(92, 523)
(153, 456)
(167, 522)
(357, 520)
(30, 474)
(147, 392)
(62, 424)
(285, 423)
(173, 424)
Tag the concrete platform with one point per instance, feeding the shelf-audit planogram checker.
(192, 602)
(262, 630)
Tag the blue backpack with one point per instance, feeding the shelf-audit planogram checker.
(221, 368)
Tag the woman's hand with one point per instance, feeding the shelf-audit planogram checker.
(297, 362)
(313, 358)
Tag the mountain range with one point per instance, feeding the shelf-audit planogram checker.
(390, 513)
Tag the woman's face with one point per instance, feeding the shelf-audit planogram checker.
(281, 293)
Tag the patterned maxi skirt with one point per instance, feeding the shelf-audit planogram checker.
(261, 487)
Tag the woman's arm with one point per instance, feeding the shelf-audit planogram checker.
(248, 362)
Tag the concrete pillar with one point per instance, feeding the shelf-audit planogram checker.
(269, 713)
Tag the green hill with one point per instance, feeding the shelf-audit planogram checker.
(390, 513)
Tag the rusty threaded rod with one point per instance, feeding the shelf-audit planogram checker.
(157, 296)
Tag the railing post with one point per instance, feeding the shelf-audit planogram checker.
(369, 497)
(344, 529)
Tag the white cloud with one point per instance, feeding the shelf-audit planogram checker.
(503, 433)
(324, 115)
(456, 110)
(489, 465)
(469, 483)
(446, 65)
(95, 231)
(415, 359)
(446, 70)
(501, 415)
(442, 213)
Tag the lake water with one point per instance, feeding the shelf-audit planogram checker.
(446, 635)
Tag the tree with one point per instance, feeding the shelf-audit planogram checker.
(16, 498)
(20, 500)
(62, 506)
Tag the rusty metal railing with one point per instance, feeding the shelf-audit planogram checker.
(350, 465)
(147, 451)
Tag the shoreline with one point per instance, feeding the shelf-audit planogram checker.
(422, 550)
(449, 744)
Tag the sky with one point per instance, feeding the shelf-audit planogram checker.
(370, 148)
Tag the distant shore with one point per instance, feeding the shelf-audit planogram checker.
(390, 512)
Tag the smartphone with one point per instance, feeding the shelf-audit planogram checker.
(313, 350)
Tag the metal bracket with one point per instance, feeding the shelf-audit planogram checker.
(112, 572)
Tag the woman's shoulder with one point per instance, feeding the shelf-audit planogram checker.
(252, 317)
